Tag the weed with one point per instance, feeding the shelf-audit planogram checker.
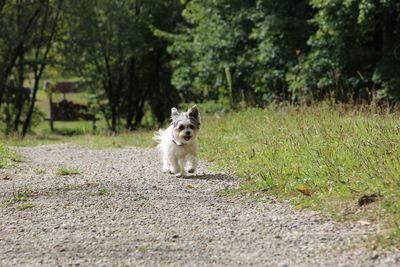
(105, 192)
(39, 171)
(64, 171)
(25, 205)
(20, 196)
(7, 157)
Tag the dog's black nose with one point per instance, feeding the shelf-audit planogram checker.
(187, 132)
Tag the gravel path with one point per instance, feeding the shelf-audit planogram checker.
(122, 211)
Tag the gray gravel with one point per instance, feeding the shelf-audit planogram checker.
(122, 211)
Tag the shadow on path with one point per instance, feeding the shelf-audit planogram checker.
(211, 177)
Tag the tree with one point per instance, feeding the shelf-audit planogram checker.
(353, 51)
(242, 49)
(42, 43)
(111, 44)
(27, 34)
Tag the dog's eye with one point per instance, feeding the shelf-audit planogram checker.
(191, 127)
(181, 127)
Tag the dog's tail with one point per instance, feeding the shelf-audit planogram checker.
(158, 135)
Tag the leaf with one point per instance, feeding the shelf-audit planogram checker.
(5, 177)
(304, 189)
(367, 199)
(189, 186)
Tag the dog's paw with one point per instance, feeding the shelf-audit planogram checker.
(176, 173)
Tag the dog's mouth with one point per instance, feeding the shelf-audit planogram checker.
(187, 138)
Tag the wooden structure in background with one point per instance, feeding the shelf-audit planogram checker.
(67, 110)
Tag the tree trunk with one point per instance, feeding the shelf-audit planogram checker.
(113, 118)
(38, 71)
(2, 4)
(14, 55)
(389, 22)
(8, 117)
(28, 119)
(140, 111)
(19, 104)
(129, 94)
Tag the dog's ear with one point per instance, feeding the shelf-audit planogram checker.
(174, 113)
(194, 113)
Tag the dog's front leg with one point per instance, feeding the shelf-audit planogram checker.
(166, 164)
(191, 163)
(175, 168)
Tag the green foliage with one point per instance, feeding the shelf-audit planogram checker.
(288, 50)
(242, 51)
(208, 61)
(353, 52)
(111, 43)
(27, 33)
(136, 59)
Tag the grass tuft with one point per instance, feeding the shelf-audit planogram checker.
(65, 171)
(19, 197)
(7, 157)
(105, 192)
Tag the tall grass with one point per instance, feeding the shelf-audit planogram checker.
(324, 158)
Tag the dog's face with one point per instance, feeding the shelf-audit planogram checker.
(185, 124)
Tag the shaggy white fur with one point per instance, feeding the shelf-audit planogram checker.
(178, 143)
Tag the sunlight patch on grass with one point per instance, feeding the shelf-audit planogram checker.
(87, 140)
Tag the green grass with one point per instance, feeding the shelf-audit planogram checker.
(65, 171)
(338, 156)
(20, 198)
(7, 158)
(77, 132)
(86, 139)
(105, 192)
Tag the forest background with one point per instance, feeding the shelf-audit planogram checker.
(136, 59)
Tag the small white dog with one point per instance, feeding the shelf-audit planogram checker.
(178, 143)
